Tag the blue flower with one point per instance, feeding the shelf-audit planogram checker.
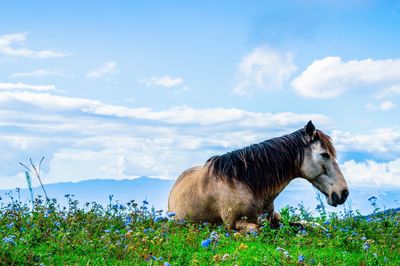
(10, 225)
(158, 218)
(363, 238)
(373, 198)
(303, 232)
(206, 243)
(300, 259)
(145, 202)
(167, 264)
(327, 222)
(366, 246)
(57, 224)
(107, 231)
(128, 220)
(148, 230)
(9, 239)
(227, 235)
(170, 214)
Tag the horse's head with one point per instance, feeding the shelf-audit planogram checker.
(319, 166)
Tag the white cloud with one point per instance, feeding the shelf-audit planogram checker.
(25, 86)
(82, 139)
(106, 69)
(265, 69)
(383, 106)
(389, 92)
(331, 77)
(371, 173)
(9, 41)
(37, 73)
(174, 115)
(164, 81)
(384, 141)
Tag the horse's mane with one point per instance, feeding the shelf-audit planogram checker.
(267, 164)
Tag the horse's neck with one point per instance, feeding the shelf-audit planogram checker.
(272, 192)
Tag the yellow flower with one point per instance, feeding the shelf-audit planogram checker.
(243, 246)
(217, 257)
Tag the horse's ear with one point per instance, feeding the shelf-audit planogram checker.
(310, 130)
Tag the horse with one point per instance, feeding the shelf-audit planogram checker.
(237, 187)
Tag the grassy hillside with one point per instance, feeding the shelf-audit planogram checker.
(46, 234)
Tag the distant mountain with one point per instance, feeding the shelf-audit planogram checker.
(156, 192)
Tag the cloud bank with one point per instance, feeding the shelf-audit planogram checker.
(331, 77)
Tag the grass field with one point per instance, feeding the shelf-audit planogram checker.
(44, 233)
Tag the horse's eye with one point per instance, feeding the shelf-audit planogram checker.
(325, 155)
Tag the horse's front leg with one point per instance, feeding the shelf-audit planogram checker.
(273, 217)
(246, 226)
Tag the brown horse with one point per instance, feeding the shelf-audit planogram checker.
(236, 187)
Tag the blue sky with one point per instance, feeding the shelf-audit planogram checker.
(128, 88)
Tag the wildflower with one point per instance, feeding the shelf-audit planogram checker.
(128, 220)
(167, 263)
(227, 235)
(300, 259)
(328, 235)
(243, 246)
(170, 214)
(327, 222)
(10, 225)
(57, 224)
(206, 243)
(363, 238)
(366, 246)
(225, 257)
(286, 253)
(9, 239)
(303, 232)
(369, 219)
(214, 236)
(145, 202)
(373, 198)
(158, 218)
(148, 230)
(216, 257)
(107, 231)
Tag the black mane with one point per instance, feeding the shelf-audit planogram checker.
(267, 164)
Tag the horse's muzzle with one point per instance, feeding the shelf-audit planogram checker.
(336, 200)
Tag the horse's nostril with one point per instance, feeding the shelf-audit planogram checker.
(345, 194)
(335, 197)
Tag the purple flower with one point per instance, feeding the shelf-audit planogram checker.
(206, 243)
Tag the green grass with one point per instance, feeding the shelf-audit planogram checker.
(48, 234)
